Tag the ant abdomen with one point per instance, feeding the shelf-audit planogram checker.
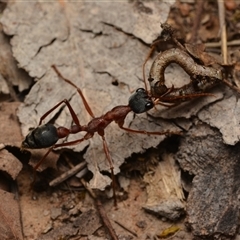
(43, 136)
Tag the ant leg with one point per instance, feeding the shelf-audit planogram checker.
(72, 112)
(56, 146)
(150, 133)
(37, 165)
(144, 65)
(43, 158)
(87, 136)
(171, 100)
(169, 105)
(225, 81)
(89, 110)
(110, 161)
(75, 142)
(120, 124)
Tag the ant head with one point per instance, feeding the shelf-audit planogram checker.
(140, 101)
(41, 137)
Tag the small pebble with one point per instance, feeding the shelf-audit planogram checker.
(230, 5)
(46, 212)
(55, 213)
(73, 211)
(48, 227)
(141, 224)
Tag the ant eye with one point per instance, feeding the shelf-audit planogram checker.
(140, 90)
(149, 105)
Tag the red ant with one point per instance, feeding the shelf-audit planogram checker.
(47, 135)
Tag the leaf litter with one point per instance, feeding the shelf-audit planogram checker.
(10, 224)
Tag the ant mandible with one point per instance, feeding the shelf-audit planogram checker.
(47, 135)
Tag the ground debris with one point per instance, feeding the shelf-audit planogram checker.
(12, 134)
(88, 222)
(165, 194)
(225, 116)
(55, 213)
(85, 225)
(10, 223)
(10, 139)
(10, 74)
(212, 206)
(10, 164)
(65, 231)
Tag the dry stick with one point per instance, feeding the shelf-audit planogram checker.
(125, 228)
(15, 191)
(67, 174)
(10, 86)
(231, 85)
(221, 12)
(218, 44)
(68, 161)
(82, 173)
(99, 206)
(197, 19)
(101, 211)
(144, 65)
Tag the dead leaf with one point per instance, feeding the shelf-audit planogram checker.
(10, 164)
(10, 223)
(12, 134)
(197, 51)
(88, 222)
(224, 115)
(210, 29)
(11, 137)
(169, 232)
(9, 72)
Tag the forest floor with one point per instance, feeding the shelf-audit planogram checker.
(155, 191)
